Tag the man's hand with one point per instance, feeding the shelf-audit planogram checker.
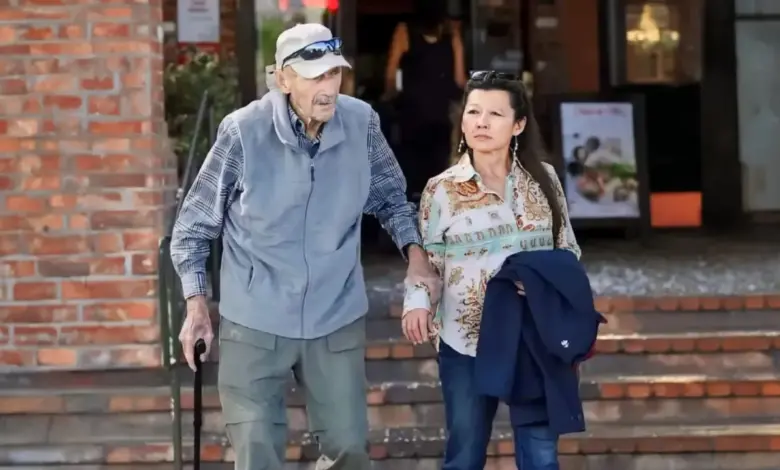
(420, 270)
(417, 325)
(196, 326)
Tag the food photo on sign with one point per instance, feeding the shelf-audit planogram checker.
(599, 151)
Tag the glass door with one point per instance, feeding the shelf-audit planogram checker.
(656, 42)
(655, 52)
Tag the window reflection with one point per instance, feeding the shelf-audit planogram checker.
(662, 42)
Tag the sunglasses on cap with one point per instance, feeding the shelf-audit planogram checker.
(486, 75)
(316, 50)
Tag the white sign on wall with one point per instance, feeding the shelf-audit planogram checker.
(198, 21)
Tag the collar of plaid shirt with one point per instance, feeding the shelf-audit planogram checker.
(304, 141)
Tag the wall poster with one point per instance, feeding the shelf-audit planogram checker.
(598, 147)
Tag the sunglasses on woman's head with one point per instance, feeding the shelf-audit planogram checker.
(486, 75)
(316, 50)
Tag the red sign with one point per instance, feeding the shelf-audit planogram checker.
(331, 5)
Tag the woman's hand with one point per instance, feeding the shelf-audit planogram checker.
(520, 288)
(417, 325)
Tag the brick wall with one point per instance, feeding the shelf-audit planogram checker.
(83, 174)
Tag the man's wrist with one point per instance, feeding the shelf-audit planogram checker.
(195, 301)
(414, 251)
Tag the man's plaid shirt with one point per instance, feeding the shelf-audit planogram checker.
(220, 180)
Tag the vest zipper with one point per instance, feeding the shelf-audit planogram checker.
(305, 230)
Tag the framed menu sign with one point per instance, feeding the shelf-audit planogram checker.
(601, 150)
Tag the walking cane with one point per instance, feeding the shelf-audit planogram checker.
(197, 418)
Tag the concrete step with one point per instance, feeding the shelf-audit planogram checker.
(728, 354)
(689, 461)
(600, 445)
(609, 343)
(631, 332)
(651, 322)
(386, 302)
(621, 399)
(655, 399)
(33, 429)
(709, 354)
(748, 343)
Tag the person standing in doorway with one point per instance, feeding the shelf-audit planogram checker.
(286, 185)
(429, 52)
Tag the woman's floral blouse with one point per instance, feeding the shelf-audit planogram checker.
(468, 232)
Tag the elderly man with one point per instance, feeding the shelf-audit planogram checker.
(286, 184)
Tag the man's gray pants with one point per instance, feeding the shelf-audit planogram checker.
(254, 370)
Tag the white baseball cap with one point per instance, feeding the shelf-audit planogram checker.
(299, 36)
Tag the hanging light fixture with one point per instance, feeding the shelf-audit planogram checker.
(648, 34)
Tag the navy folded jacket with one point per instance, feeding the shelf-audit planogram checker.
(529, 345)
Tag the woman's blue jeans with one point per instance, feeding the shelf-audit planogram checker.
(470, 422)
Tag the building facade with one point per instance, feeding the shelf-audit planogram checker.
(86, 169)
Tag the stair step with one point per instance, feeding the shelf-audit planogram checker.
(643, 322)
(624, 399)
(719, 364)
(607, 343)
(689, 461)
(155, 425)
(732, 354)
(706, 342)
(654, 398)
(411, 443)
(652, 331)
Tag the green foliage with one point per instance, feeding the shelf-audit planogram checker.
(270, 29)
(185, 84)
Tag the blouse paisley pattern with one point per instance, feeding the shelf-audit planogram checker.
(468, 232)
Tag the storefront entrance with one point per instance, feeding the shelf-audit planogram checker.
(656, 52)
(493, 34)
(678, 55)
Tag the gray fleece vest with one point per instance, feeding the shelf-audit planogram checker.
(291, 263)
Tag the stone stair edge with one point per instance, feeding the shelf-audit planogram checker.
(400, 349)
(104, 401)
(67, 381)
(390, 302)
(736, 461)
(420, 442)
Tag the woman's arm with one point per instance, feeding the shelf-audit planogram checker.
(565, 238)
(457, 49)
(398, 47)
(432, 225)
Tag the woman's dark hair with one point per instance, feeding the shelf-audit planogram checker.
(530, 146)
(429, 15)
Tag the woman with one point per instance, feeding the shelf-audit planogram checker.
(473, 216)
(430, 53)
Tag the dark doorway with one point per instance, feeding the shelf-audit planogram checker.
(654, 49)
(375, 22)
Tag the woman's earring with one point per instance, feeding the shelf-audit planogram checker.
(462, 145)
(514, 148)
